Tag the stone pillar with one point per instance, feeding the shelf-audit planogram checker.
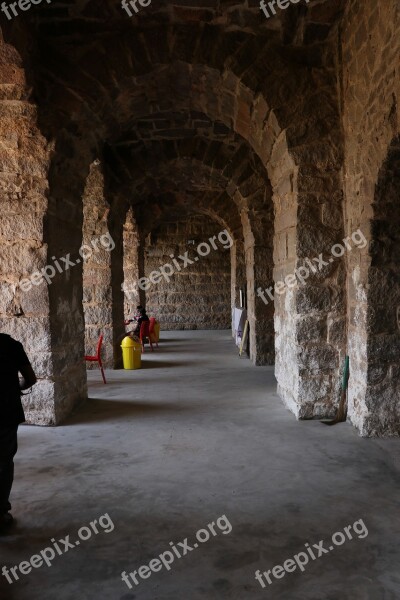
(374, 297)
(97, 248)
(309, 314)
(142, 268)
(238, 274)
(67, 179)
(283, 174)
(24, 305)
(132, 273)
(116, 229)
(259, 270)
(371, 124)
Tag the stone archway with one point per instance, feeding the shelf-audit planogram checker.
(228, 76)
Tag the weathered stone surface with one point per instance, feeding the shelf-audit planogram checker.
(97, 296)
(371, 122)
(264, 126)
(197, 296)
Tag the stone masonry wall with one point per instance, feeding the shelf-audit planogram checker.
(24, 160)
(199, 296)
(97, 297)
(371, 93)
(131, 265)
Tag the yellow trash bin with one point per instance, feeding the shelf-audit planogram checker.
(131, 353)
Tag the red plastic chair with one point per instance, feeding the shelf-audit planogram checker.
(152, 334)
(145, 333)
(97, 358)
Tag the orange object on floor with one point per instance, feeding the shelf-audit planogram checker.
(97, 358)
(152, 330)
(145, 333)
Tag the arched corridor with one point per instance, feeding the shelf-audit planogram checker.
(233, 169)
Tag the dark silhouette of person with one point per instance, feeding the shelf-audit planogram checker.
(137, 319)
(13, 361)
(142, 317)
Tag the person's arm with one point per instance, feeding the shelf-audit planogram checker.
(29, 377)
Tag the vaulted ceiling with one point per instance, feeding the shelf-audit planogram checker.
(167, 94)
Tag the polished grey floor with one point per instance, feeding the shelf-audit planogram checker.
(196, 434)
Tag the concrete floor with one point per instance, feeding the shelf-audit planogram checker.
(196, 434)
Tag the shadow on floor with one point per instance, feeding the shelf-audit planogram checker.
(169, 340)
(154, 364)
(96, 409)
(146, 364)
